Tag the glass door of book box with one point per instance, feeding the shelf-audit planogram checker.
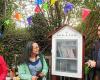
(66, 55)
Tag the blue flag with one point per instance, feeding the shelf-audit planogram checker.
(68, 7)
(38, 2)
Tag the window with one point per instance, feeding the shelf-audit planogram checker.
(66, 55)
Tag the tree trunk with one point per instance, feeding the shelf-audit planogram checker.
(4, 7)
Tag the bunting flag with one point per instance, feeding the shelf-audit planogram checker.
(52, 2)
(85, 13)
(68, 7)
(38, 2)
(45, 6)
(29, 19)
(18, 16)
(37, 9)
(7, 22)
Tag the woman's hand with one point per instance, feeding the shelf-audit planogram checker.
(88, 63)
(91, 63)
(34, 77)
(41, 74)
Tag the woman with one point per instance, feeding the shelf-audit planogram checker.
(94, 59)
(33, 65)
(3, 69)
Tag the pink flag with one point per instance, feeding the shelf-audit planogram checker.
(85, 13)
(37, 9)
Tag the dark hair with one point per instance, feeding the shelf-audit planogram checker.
(27, 52)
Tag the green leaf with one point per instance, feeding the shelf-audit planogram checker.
(87, 70)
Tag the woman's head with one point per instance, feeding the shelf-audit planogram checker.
(31, 49)
(35, 49)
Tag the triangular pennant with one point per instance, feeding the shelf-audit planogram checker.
(7, 22)
(29, 19)
(45, 6)
(52, 2)
(68, 7)
(37, 9)
(38, 2)
(85, 13)
(18, 16)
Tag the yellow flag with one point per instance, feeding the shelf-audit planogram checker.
(53, 2)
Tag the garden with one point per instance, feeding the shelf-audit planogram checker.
(28, 20)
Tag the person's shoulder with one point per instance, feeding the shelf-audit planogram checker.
(1, 57)
(96, 42)
(22, 64)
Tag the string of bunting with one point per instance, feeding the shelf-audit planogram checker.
(41, 6)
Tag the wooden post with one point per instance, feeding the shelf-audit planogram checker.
(4, 7)
(54, 77)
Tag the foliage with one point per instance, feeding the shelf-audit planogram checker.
(39, 29)
(13, 42)
(89, 27)
(14, 39)
(1, 9)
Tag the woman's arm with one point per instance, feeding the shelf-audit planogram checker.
(45, 67)
(24, 72)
